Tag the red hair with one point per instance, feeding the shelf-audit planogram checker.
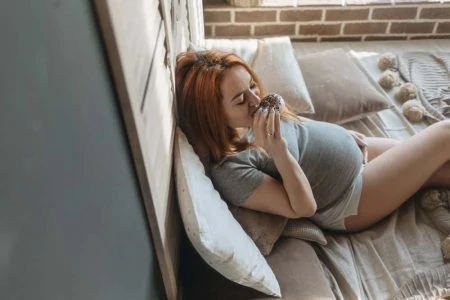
(198, 76)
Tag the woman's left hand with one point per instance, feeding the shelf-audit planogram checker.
(362, 143)
(359, 138)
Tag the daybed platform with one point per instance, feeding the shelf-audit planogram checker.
(399, 258)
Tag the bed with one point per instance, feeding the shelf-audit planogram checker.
(399, 258)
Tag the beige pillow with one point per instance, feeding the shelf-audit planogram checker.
(276, 65)
(264, 229)
(340, 91)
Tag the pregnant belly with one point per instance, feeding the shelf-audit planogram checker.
(331, 161)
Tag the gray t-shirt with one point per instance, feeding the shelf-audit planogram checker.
(327, 153)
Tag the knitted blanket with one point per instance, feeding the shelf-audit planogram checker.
(430, 72)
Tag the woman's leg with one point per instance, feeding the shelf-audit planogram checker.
(378, 145)
(393, 175)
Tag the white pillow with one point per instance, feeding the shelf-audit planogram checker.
(244, 48)
(277, 66)
(211, 228)
(274, 61)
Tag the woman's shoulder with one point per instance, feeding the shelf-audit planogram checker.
(250, 156)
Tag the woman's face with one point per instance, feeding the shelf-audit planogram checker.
(240, 97)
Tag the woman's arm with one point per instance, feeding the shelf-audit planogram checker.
(293, 198)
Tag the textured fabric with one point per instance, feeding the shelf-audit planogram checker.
(389, 258)
(304, 229)
(327, 153)
(212, 230)
(264, 229)
(426, 285)
(430, 72)
(339, 90)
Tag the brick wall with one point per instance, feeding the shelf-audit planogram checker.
(330, 23)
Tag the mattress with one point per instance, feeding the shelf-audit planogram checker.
(399, 258)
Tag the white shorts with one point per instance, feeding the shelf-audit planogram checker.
(334, 216)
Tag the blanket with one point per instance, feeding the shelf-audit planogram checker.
(430, 72)
(399, 258)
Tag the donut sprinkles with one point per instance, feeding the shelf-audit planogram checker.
(272, 100)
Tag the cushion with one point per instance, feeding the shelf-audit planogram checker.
(276, 65)
(304, 229)
(211, 228)
(263, 228)
(244, 48)
(279, 73)
(340, 91)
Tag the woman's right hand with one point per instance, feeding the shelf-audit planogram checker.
(267, 133)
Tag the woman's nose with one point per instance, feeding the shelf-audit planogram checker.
(253, 99)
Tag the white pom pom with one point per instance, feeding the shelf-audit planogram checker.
(387, 61)
(388, 79)
(413, 110)
(431, 199)
(406, 92)
(445, 247)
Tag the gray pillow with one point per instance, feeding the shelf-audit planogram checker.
(340, 91)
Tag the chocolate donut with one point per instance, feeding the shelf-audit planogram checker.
(272, 100)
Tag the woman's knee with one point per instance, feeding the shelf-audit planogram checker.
(444, 126)
(442, 129)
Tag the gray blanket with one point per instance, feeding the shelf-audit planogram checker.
(400, 256)
(430, 72)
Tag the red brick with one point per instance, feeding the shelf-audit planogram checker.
(385, 37)
(346, 14)
(309, 39)
(416, 27)
(366, 2)
(232, 30)
(216, 16)
(443, 27)
(364, 28)
(342, 39)
(429, 37)
(255, 16)
(394, 13)
(305, 15)
(264, 30)
(435, 13)
(320, 29)
(208, 30)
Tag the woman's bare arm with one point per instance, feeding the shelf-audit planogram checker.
(293, 198)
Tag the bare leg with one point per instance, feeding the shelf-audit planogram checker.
(377, 146)
(394, 173)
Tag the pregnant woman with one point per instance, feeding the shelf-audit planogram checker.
(274, 161)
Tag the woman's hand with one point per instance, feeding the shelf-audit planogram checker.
(266, 129)
(359, 138)
(362, 143)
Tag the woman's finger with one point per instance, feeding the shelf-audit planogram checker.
(270, 124)
(277, 132)
(259, 125)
